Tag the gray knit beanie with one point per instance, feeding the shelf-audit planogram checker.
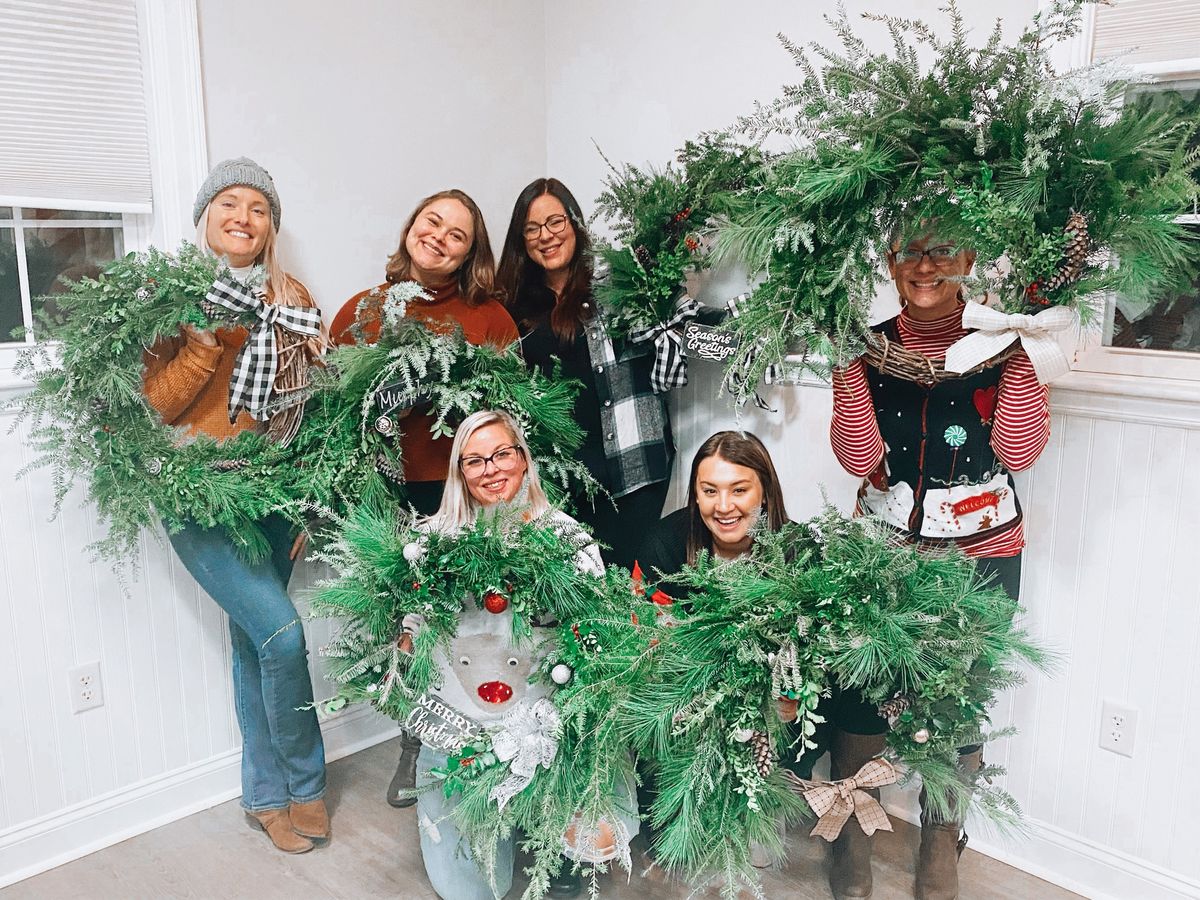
(231, 172)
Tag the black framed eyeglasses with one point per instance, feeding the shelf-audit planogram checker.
(940, 256)
(504, 459)
(554, 225)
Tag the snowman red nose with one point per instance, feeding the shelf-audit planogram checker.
(495, 692)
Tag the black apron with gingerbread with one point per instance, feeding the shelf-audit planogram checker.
(941, 481)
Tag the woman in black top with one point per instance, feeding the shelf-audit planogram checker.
(733, 488)
(546, 274)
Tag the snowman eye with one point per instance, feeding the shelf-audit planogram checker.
(512, 660)
(464, 660)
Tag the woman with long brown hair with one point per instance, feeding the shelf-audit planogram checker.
(546, 276)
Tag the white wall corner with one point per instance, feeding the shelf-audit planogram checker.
(170, 43)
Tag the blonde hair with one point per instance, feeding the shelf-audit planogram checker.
(459, 509)
(281, 288)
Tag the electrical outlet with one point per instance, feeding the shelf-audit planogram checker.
(87, 692)
(1118, 727)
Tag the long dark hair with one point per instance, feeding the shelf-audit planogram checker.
(477, 275)
(523, 281)
(742, 449)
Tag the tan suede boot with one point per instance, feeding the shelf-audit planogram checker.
(278, 826)
(850, 872)
(942, 843)
(310, 820)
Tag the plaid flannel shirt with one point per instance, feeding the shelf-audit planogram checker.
(635, 425)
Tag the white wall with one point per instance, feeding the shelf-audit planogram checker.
(1111, 506)
(360, 109)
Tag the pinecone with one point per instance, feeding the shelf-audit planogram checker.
(894, 708)
(1074, 259)
(645, 260)
(229, 465)
(385, 468)
(99, 405)
(764, 753)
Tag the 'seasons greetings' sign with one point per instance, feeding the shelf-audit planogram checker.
(441, 726)
(708, 343)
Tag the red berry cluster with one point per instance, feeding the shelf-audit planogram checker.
(683, 214)
(691, 243)
(1032, 295)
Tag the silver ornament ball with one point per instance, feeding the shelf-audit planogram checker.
(921, 735)
(561, 673)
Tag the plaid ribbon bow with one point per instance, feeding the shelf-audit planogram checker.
(835, 801)
(737, 373)
(257, 362)
(670, 360)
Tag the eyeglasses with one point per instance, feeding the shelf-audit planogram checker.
(554, 225)
(939, 256)
(504, 459)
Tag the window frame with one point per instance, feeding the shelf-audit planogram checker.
(1095, 365)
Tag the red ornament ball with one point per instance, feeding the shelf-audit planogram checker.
(495, 602)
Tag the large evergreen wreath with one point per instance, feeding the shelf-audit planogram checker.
(347, 450)
(1062, 189)
(89, 417)
(390, 572)
(831, 601)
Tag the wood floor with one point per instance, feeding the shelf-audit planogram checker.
(374, 853)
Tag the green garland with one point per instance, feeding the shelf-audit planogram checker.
(831, 601)
(1009, 157)
(387, 569)
(346, 450)
(659, 218)
(90, 420)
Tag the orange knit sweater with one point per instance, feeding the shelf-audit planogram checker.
(188, 383)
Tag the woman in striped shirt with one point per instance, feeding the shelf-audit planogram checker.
(935, 462)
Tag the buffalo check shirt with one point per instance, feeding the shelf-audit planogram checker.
(635, 425)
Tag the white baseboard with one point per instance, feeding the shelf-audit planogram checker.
(76, 831)
(1069, 861)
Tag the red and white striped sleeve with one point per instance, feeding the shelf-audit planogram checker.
(854, 431)
(1022, 419)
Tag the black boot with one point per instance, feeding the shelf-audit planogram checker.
(405, 778)
(566, 882)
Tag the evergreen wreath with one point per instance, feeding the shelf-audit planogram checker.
(659, 218)
(89, 417)
(1062, 190)
(830, 601)
(388, 571)
(347, 452)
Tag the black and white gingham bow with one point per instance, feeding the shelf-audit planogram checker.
(254, 370)
(670, 360)
(737, 373)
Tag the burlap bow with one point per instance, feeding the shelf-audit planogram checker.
(670, 359)
(257, 362)
(996, 330)
(528, 738)
(835, 801)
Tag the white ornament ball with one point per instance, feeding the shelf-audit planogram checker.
(742, 735)
(921, 736)
(561, 673)
(413, 551)
(372, 688)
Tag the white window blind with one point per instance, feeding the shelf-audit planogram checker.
(72, 108)
(1154, 31)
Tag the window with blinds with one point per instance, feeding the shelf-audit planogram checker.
(1148, 31)
(72, 108)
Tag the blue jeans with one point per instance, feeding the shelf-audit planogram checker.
(449, 865)
(283, 756)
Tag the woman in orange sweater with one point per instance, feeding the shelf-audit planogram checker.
(444, 247)
(187, 380)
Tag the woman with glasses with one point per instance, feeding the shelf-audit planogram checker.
(444, 247)
(490, 467)
(546, 275)
(935, 462)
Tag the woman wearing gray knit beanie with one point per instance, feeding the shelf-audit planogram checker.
(187, 379)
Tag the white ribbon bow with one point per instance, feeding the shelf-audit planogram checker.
(528, 738)
(996, 330)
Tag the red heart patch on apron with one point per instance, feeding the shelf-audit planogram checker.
(985, 402)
